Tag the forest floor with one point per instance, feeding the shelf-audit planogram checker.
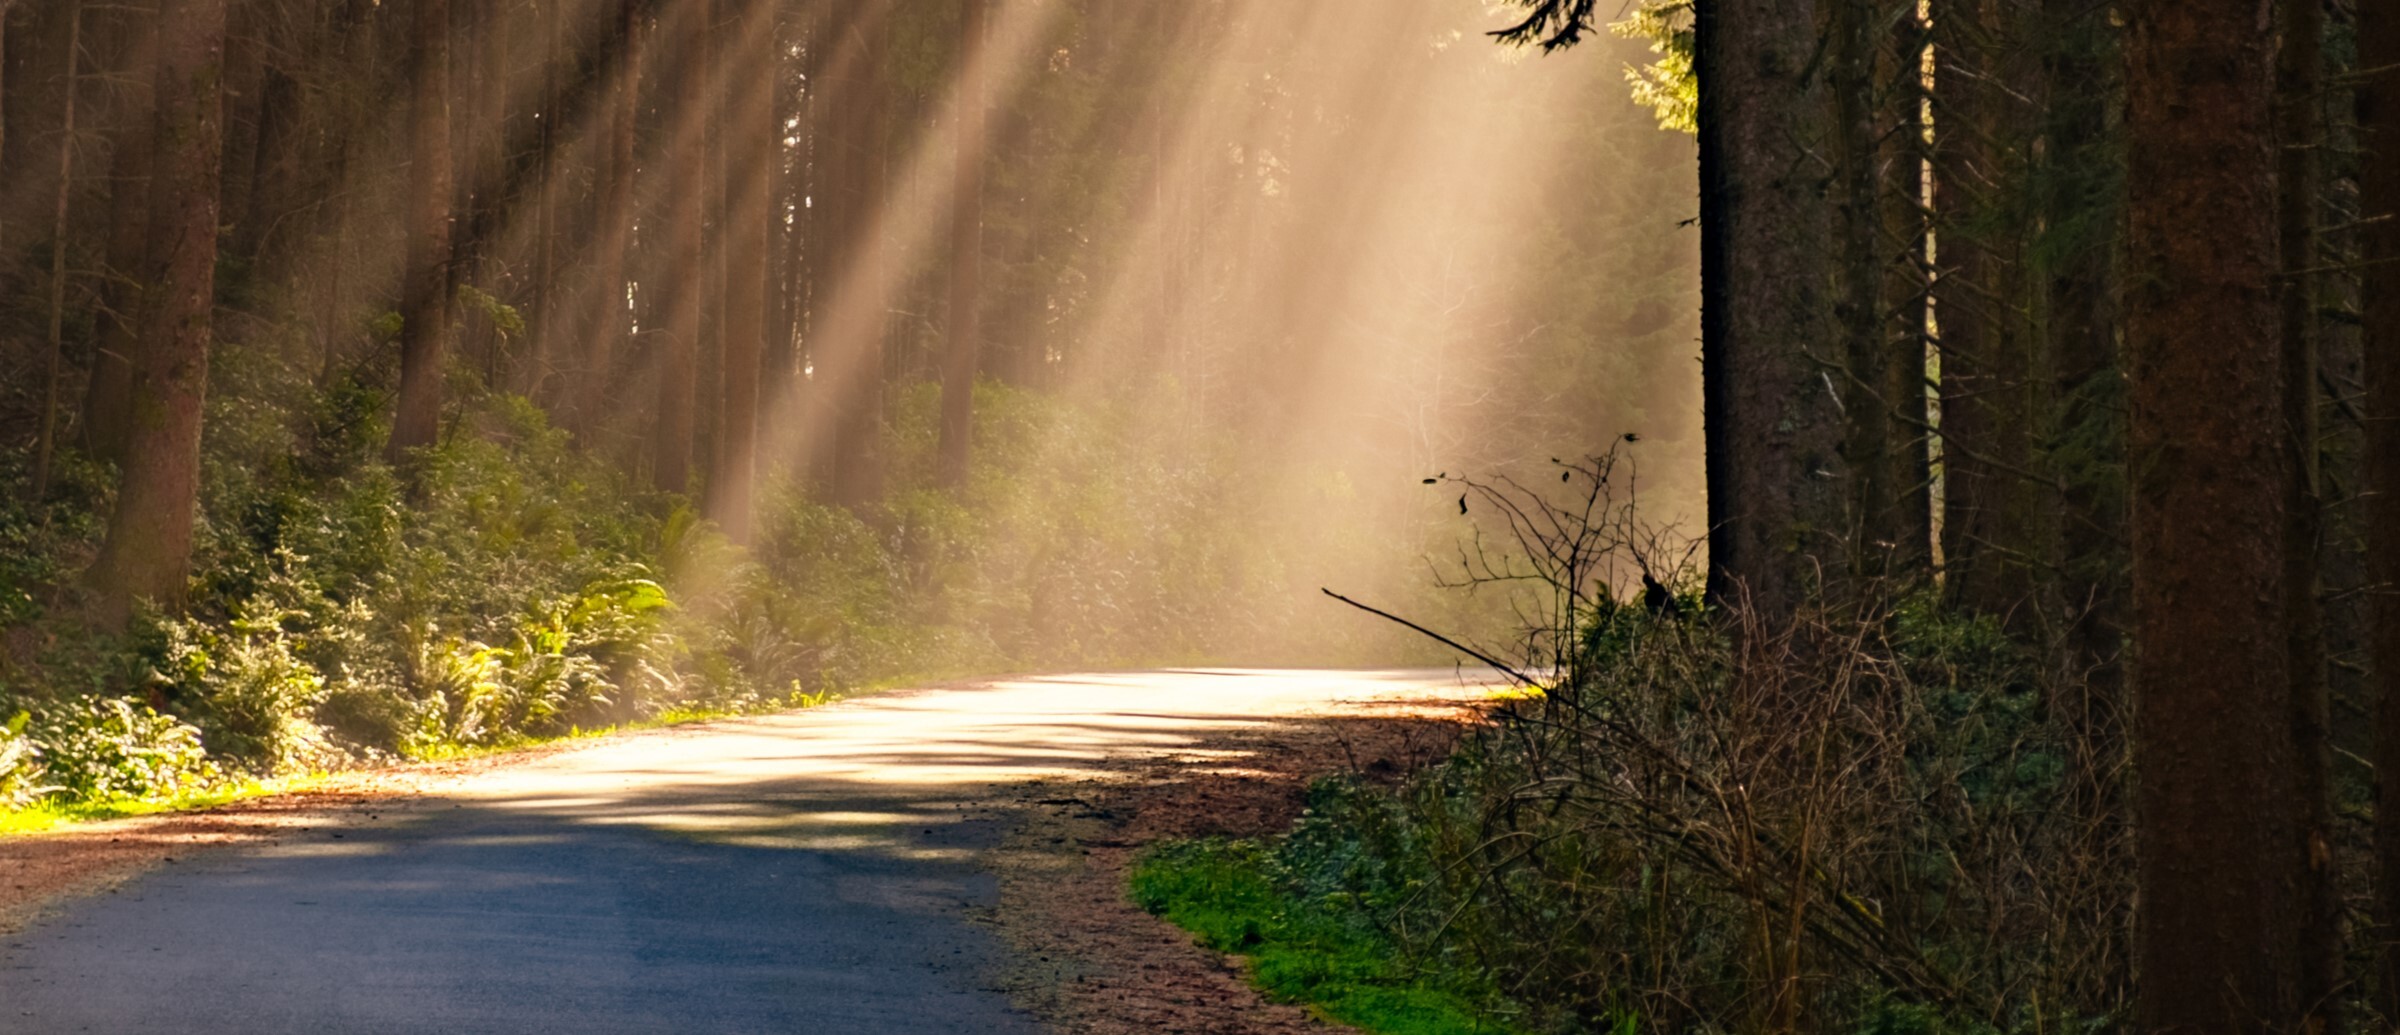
(846, 865)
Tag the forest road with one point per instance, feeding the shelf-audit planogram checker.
(813, 872)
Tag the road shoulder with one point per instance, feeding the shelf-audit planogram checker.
(1088, 961)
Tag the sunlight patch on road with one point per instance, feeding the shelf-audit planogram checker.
(888, 767)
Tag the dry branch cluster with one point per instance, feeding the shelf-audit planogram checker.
(1871, 810)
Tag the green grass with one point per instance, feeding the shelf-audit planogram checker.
(49, 815)
(1227, 894)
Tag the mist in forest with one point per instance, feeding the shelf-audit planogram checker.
(901, 334)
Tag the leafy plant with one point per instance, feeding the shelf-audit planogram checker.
(101, 748)
(20, 764)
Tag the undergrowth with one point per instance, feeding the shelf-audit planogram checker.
(1878, 818)
(512, 584)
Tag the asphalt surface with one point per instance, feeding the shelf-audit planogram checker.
(812, 872)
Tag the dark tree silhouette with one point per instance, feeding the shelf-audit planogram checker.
(2219, 932)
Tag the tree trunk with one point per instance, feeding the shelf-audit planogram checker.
(1907, 517)
(58, 255)
(7, 8)
(1778, 485)
(2299, 85)
(966, 255)
(425, 292)
(751, 136)
(245, 73)
(2085, 208)
(1990, 538)
(275, 169)
(606, 336)
(547, 313)
(147, 554)
(856, 389)
(2219, 930)
(131, 265)
(671, 445)
(2379, 207)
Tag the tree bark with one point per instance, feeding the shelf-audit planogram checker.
(2379, 206)
(2219, 930)
(131, 265)
(605, 339)
(7, 8)
(46, 442)
(966, 254)
(856, 383)
(147, 554)
(1988, 97)
(1778, 485)
(425, 292)
(2084, 211)
(245, 73)
(1906, 301)
(751, 143)
(547, 313)
(2300, 102)
(671, 444)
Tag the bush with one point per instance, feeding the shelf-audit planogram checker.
(1867, 819)
(107, 748)
(20, 764)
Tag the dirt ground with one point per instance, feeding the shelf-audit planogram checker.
(1090, 962)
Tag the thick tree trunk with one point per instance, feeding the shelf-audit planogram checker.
(2379, 206)
(425, 291)
(2299, 85)
(671, 444)
(751, 135)
(131, 265)
(1778, 485)
(2219, 931)
(966, 256)
(147, 554)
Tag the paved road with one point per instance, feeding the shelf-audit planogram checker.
(812, 872)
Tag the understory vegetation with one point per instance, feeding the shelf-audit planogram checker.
(1877, 817)
(513, 586)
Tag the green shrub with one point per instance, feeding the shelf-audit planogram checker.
(105, 748)
(244, 684)
(20, 764)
